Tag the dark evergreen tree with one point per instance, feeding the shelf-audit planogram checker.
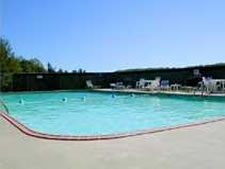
(50, 68)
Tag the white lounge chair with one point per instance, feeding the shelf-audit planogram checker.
(148, 84)
(117, 85)
(89, 84)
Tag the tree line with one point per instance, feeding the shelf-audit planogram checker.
(10, 63)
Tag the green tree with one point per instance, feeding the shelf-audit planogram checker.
(60, 71)
(50, 68)
(10, 64)
(32, 65)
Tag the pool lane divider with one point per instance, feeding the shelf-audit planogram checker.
(29, 132)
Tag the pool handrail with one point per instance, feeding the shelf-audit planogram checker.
(4, 106)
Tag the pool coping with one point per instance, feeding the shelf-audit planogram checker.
(30, 132)
(160, 92)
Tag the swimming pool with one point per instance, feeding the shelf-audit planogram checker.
(85, 113)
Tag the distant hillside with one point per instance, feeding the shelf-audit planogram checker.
(167, 68)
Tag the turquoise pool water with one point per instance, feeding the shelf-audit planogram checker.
(94, 113)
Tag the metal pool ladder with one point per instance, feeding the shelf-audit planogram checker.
(5, 108)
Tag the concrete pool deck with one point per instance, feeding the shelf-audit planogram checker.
(198, 147)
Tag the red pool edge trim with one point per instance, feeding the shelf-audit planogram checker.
(27, 131)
